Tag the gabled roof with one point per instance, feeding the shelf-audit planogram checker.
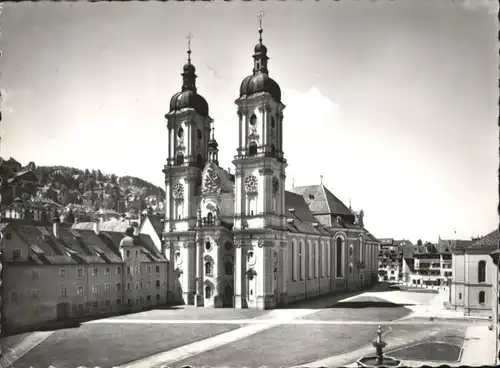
(78, 246)
(156, 223)
(321, 201)
(303, 218)
(492, 239)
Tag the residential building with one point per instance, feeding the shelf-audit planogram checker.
(242, 240)
(390, 258)
(473, 275)
(56, 273)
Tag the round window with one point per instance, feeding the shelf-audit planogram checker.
(208, 246)
(180, 133)
(253, 119)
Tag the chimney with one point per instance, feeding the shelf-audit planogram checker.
(135, 225)
(96, 226)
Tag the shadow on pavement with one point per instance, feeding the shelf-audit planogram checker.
(368, 304)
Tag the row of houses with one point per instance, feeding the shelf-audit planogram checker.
(61, 271)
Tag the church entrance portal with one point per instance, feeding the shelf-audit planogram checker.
(228, 296)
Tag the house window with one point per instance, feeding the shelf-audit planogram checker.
(118, 270)
(128, 286)
(34, 273)
(79, 290)
(302, 261)
(482, 297)
(481, 271)
(118, 287)
(129, 301)
(79, 273)
(208, 292)
(107, 271)
(62, 273)
(157, 296)
(35, 294)
(14, 297)
(128, 254)
(95, 271)
(317, 256)
(294, 260)
(228, 268)
(149, 269)
(95, 305)
(107, 288)
(157, 269)
(360, 249)
(310, 255)
(148, 297)
(95, 289)
(339, 256)
(63, 291)
(208, 268)
(137, 270)
(252, 149)
(118, 301)
(351, 250)
(16, 254)
(107, 303)
(129, 270)
(157, 283)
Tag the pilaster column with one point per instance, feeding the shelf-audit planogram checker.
(262, 110)
(170, 145)
(199, 272)
(240, 130)
(239, 276)
(284, 267)
(171, 297)
(187, 196)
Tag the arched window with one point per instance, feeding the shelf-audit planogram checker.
(310, 256)
(228, 268)
(294, 260)
(481, 271)
(252, 149)
(361, 249)
(179, 159)
(339, 256)
(208, 268)
(482, 297)
(210, 218)
(208, 292)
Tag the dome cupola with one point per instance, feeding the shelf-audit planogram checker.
(260, 81)
(188, 97)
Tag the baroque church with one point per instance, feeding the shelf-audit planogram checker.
(242, 240)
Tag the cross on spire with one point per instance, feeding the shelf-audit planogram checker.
(321, 179)
(260, 15)
(189, 37)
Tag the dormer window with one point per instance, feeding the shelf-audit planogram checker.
(311, 197)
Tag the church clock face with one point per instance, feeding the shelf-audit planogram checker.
(178, 191)
(251, 185)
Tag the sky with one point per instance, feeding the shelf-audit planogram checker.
(394, 103)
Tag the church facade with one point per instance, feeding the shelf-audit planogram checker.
(241, 240)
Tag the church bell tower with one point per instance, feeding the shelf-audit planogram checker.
(188, 124)
(259, 187)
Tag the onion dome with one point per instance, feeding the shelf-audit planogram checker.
(188, 96)
(260, 81)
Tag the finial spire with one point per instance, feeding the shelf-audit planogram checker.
(189, 37)
(212, 133)
(260, 15)
(321, 179)
(350, 203)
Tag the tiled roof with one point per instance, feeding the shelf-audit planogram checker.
(157, 224)
(78, 246)
(303, 219)
(411, 263)
(490, 240)
(111, 225)
(321, 200)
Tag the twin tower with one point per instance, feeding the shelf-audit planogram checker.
(225, 234)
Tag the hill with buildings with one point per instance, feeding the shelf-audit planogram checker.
(86, 190)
